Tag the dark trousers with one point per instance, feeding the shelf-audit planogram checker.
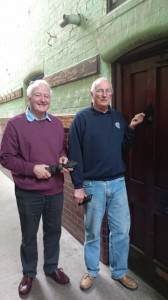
(31, 207)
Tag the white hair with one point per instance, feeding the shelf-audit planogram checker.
(35, 84)
(97, 81)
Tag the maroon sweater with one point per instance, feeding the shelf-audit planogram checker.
(26, 144)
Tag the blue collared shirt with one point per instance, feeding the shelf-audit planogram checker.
(30, 117)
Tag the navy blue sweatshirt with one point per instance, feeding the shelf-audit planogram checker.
(97, 142)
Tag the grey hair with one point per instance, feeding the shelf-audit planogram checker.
(37, 83)
(97, 81)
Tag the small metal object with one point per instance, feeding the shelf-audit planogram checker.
(86, 199)
(149, 113)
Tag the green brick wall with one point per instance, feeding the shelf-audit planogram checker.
(44, 47)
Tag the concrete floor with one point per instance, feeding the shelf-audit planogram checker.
(71, 260)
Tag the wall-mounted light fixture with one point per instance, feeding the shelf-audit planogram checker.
(71, 19)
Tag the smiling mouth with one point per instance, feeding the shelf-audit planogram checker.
(104, 100)
(42, 105)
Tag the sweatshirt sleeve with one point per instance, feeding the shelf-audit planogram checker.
(128, 139)
(75, 150)
(9, 153)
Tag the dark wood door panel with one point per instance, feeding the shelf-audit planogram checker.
(143, 85)
(161, 145)
(138, 227)
(160, 240)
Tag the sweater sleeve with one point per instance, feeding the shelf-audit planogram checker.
(9, 153)
(128, 139)
(75, 150)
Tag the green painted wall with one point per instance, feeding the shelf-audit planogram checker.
(12, 108)
(44, 47)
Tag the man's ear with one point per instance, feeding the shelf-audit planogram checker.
(28, 101)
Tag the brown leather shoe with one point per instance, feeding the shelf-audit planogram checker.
(86, 282)
(128, 282)
(59, 276)
(25, 285)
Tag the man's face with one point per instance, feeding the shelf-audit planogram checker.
(39, 101)
(102, 95)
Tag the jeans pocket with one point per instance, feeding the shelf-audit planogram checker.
(87, 183)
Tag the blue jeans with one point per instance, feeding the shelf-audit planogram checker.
(109, 196)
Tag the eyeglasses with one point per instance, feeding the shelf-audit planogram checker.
(101, 92)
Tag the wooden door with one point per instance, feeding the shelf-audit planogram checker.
(145, 84)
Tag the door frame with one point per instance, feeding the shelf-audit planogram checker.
(144, 51)
(154, 48)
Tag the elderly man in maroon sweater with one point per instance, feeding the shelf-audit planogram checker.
(32, 142)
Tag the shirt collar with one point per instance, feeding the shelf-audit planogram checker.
(30, 117)
(97, 112)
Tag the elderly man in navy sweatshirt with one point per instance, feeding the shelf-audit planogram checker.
(98, 138)
(33, 141)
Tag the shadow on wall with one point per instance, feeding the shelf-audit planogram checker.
(6, 172)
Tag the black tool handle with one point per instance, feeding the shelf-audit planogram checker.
(57, 168)
(86, 199)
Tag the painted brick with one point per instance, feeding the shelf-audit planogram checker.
(42, 46)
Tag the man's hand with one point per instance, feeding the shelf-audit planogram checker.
(79, 195)
(64, 160)
(40, 172)
(136, 120)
